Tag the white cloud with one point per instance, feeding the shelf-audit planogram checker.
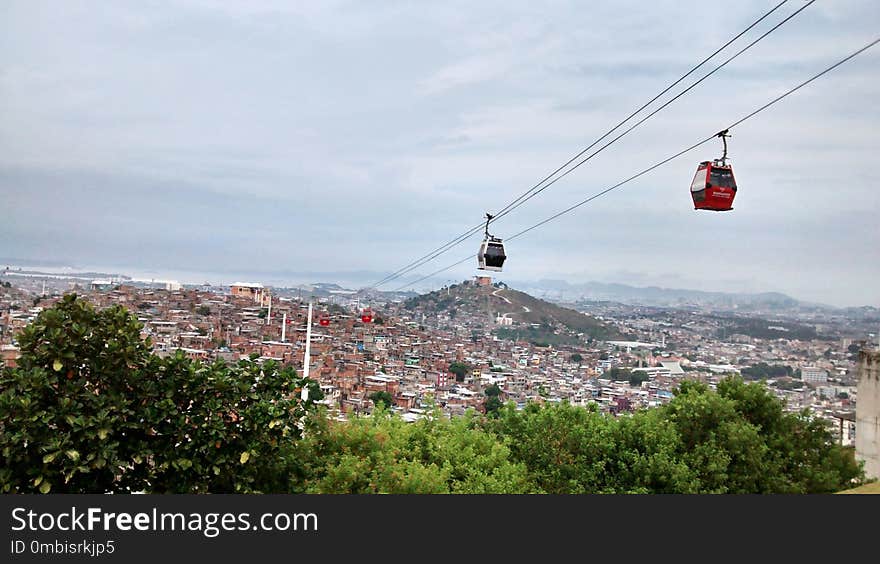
(394, 127)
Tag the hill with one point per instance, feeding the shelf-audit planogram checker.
(664, 297)
(530, 318)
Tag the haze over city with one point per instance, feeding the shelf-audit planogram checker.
(266, 137)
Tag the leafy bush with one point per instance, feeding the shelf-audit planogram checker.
(89, 409)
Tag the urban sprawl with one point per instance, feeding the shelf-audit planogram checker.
(446, 353)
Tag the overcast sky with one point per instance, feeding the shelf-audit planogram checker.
(249, 137)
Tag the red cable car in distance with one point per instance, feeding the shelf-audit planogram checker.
(324, 320)
(714, 186)
(367, 315)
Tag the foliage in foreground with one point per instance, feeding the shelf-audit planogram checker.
(384, 454)
(91, 410)
(737, 439)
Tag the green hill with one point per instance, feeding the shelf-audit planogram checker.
(533, 319)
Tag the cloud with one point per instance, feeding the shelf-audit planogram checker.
(365, 135)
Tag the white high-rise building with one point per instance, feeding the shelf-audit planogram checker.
(814, 375)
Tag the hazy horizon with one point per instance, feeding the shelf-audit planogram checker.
(351, 280)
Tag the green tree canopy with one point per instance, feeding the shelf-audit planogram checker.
(460, 369)
(381, 398)
(89, 409)
(383, 454)
(619, 374)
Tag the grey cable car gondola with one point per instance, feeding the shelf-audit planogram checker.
(491, 255)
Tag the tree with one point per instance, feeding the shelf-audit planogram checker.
(577, 358)
(381, 398)
(203, 310)
(383, 454)
(228, 427)
(89, 409)
(493, 400)
(460, 369)
(735, 440)
(618, 374)
(68, 420)
(637, 377)
(762, 370)
(563, 447)
(492, 405)
(740, 440)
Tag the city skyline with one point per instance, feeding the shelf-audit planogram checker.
(264, 137)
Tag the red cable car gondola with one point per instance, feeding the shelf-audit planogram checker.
(367, 315)
(324, 320)
(714, 186)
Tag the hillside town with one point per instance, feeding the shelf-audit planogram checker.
(454, 348)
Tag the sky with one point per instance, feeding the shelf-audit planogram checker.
(259, 137)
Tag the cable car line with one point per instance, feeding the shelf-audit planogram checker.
(537, 189)
(442, 249)
(666, 160)
(429, 257)
(570, 208)
(664, 105)
(525, 196)
(445, 268)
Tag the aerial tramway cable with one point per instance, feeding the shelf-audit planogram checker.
(661, 163)
(531, 192)
(664, 105)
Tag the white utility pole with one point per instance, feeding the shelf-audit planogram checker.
(307, 358)
(284, 327)
(269, 314)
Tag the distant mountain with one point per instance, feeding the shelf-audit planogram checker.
(561, 290)
(548, 289)
(8, 261)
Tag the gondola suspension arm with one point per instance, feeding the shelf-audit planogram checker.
(724, 135)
